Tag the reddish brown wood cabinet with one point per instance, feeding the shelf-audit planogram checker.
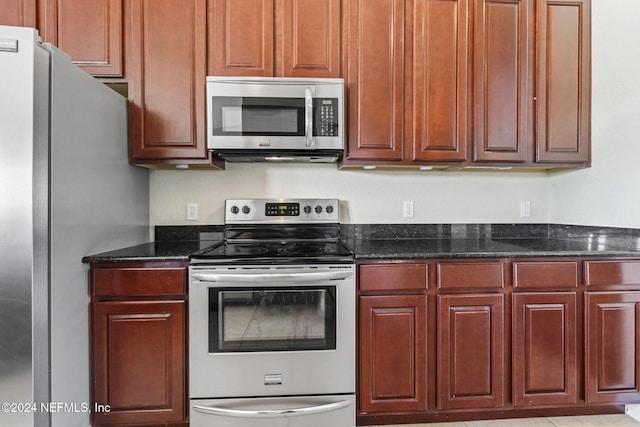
(90, 32)
(470, 351)
(545, 369)
(612, 362)
(138, 344)
(468, 82)
(439, 70)
(375, 79)
(503, 80)
(18, 13)
(392, 353)
(167, 71)
(465, 339)
(563, 73)
(288, 38)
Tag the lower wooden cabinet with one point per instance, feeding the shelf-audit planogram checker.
(470, 351)
(545, 369)
(612, 353)
(138, 345)
(453, 340)
(392, 353)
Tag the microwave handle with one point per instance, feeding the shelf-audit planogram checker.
(267, 413)
(308, 116)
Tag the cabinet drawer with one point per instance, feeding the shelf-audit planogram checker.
(545, 274)
(470, 275)
(600, 273)
(380, 277)
(138, 281)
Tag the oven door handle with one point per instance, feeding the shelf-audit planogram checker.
(271, 277)
(273, 413)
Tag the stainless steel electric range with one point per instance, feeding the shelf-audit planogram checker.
(272, 319)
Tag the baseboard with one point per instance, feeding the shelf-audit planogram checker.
(633, 411)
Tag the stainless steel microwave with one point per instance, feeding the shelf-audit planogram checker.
(252, 119)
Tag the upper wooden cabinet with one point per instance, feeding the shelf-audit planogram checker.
(406, 70)
(503, 80)
(166, 73)
(375, 79)
(468, 82)
(406, 73)
(563, 63)
(18, 13)
(89, 31)
(287, 38)
(439, 74)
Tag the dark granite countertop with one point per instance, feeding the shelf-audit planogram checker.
(172, 243)
(420, 241)
(483, 248)
(427, 241)
(159, 251)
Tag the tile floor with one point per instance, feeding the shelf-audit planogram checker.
(618, 420)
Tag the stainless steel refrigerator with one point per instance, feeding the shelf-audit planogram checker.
(66, 190)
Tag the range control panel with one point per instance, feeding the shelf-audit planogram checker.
(282, 211)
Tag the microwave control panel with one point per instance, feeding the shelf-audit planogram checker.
(326, 117)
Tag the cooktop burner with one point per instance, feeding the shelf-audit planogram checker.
(271, 252)
(276, 231)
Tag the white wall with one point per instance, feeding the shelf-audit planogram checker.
(608, 193)
(370, 196)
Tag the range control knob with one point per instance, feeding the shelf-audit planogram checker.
(318, 209)
(246, 209)
(307, 209)
(234, 209)
(329, 209)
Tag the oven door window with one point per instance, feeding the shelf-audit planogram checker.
(272, 319)
(257, 116)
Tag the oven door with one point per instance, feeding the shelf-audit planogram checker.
(267, 330)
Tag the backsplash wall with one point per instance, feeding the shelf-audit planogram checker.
(369, 196)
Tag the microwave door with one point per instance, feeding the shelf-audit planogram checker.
(264, 119)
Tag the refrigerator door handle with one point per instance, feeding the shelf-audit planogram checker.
(273, 413)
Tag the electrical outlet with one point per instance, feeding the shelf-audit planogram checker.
(192, 211)
(525, 209)
(407, 209)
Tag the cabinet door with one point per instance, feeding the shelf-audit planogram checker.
(138, 353)
(544, 348)
(439, 94)
(563, 81)
(392, 353)
(310, 42)
(167, 71)
(89, 31)
(18, 13)
(241, 38)
(503, 79)
(375, 78)
(612, 347)
(470, 351)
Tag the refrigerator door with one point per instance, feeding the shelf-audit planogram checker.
(24, 338)
(298, 411)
